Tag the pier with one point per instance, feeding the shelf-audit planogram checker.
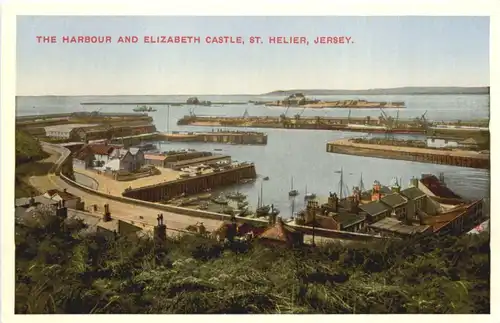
(224, 137)
(192, 185)
(461, 158)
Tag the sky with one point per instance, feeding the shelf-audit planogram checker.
(386, 52)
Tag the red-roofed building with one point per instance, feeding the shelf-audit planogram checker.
(281, 235)
(433, 186)
(155, 160)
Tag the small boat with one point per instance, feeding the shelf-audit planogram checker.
(237, 196)
(247, 180)
(242, 205)
(263, 210)
(266, 178)
(244, 212)
(205, 196)
(144, 109)
(309, 196)
(203, 206)
(221, 199)
(217, 149)
(293, 192)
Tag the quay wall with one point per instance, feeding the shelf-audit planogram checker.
(191, 185)
(413, 154)
(238, 138)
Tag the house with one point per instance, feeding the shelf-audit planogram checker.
(155, 160)
(69, 200)
(416, 201)
(397, 204)
(66, 131)
(433, 186)
(84, 158)
(101, 153)
(281, 235)
(393, 227)
(376, 210)
(128, 160)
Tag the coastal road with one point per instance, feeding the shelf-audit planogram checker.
(119, 210)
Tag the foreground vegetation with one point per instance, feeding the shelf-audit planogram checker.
(61, 270)
(28, 154)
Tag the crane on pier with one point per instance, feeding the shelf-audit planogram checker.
(423, 122)
(298, 115)
(389, 124)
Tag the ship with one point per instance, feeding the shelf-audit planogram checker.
(221, 199)
(293, 192)
(237, 196)
(144, 109)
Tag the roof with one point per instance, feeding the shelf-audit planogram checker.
(101, 149)
(412, 193)
(62, 194)
(155, 157)
(24, 201)
(394, 225)
(83, 153)
(394, 200)
(134, 151)
(279, 232)
(374, 208)
(349, 219)
(67, 127)
(325, 222)
(434, 185)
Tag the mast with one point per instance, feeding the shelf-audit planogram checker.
(261, 193)
(293, 206)
(341, 182)
(168, 117)
(361, 184)
(292, 184)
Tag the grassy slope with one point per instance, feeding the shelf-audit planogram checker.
(64, 273)
(28, 153)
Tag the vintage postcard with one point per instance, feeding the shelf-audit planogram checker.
(252, 164)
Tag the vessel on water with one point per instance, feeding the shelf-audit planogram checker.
(247, 180)
(266, 178)
(262, 209)
(144, 109)
(293, 192)
(221, 199)
(237, 196)
(242, 205)
(309, 196)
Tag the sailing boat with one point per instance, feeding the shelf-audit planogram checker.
(309, 196)
(292, 191)
(262, 210)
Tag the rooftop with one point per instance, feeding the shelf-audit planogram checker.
(62, 194)
(68, 127)
(412, 193)
(434, 185)
(394, 200)
(394, 225)
(374, 208)
(155, 157)
(348, 219)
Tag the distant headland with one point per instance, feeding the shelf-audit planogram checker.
(390, 91)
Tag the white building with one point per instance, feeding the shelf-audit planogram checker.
(70, 201)
(64, 131)
(125, 159)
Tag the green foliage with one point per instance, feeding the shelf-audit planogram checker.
(61, 270)
(27, 148)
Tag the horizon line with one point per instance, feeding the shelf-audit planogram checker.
(287, 90)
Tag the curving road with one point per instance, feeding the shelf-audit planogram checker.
(119, 210)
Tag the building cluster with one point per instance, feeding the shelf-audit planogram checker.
(109, 158)
(87, 132)
(426, 206)
(70, 207)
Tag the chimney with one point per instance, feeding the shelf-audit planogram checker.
(61, 211)
(160, 230)
(107, 214)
